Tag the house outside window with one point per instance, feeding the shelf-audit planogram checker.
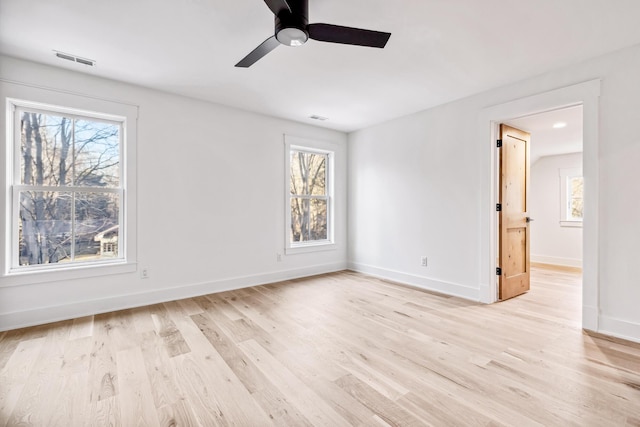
(67, 209)
(309, 209)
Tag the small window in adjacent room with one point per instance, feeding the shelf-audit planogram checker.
(571, 203)
(309, 196)
(68, 205)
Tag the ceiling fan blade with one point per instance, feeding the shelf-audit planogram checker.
(265, 47)
(278, 6)
(347, 35)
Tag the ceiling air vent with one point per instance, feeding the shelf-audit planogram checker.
(73, 58)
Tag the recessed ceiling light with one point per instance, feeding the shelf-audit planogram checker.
(559, 125)
(316, 117)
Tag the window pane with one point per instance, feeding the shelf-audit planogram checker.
(97, 228)
(576, 208)
(318, 220)
(97, 154)
(44, 228)
(296, 173)
(576, 187)
(299, 219)
(308, 219)
(45, 149)
(308, 173)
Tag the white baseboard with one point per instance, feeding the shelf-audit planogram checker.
(619, 328)
(422, 282)
(568, 262)
(42, 315)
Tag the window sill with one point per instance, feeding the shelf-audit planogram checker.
(574, 224)
(310, 247)
(29, 277)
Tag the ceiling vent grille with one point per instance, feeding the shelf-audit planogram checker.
(73, 58)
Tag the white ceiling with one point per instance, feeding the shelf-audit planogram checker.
(547, 141)
(439, 51)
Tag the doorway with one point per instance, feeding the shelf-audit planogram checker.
(586, 94)
(552, 199)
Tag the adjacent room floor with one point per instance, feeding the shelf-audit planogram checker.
(337, 349)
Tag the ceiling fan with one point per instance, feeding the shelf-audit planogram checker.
(292, 28)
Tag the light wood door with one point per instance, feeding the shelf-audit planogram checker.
(513, 217)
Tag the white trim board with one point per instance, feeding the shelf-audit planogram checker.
(586, 94)
(42, 315)
(619, 328)
(448, 288)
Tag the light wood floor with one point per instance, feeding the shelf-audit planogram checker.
(333, 350)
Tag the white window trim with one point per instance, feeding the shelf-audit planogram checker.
(23, 96)
(565, 174)
(311, 146)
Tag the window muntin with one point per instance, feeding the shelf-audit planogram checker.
(67, 188)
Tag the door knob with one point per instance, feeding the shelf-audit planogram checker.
(529, 219)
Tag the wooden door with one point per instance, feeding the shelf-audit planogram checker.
(513, 215)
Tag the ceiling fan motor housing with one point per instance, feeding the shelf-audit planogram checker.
(291, 28)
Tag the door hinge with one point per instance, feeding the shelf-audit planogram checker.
(498, 207)
(499, 143)
(498, 271)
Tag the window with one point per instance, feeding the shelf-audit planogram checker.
(66, 204)
(309, 196)
(571, 203)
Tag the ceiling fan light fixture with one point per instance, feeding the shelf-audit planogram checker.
(292, 37)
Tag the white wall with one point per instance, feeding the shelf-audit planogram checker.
(198, 163)
(552, 243)
(415, 186)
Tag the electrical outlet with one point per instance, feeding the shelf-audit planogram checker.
(279, 257)
(144, 273)
(423, 261)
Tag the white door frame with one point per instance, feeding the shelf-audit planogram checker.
(586, 94)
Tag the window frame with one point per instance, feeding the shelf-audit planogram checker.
(566, 220)
(315, 147)
(18, 97)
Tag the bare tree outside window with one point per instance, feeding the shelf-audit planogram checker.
(69, 189)
(309, 196)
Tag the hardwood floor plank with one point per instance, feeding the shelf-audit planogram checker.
(44, 378)
(316, 409)
(71, 409)
(82, 327)
(274, 403)
(135, 398)
(103, 382)
(9, 397)
(141, 319)
(177, 415)
(165, 328)
(158, 370)
(384, 408)
(215, 382)
(105, 413)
